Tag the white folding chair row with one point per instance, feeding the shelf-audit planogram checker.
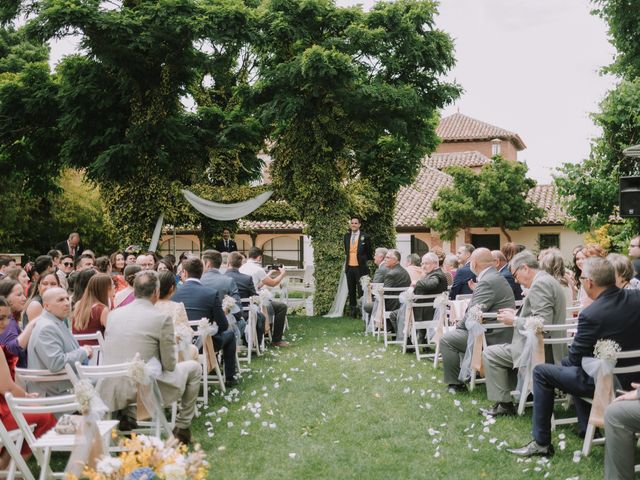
(97, 349)
(27, 375)
(389, 293)
(51, 441)
(564, 340)
(218, 377)
(488, 326)
(420, 302)
(12, 442)
(97, 373)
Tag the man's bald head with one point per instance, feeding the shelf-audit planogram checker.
(480, 259)
(56, 301)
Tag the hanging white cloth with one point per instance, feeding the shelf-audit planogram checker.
(225, 211)
(337, 307)
(155, 238)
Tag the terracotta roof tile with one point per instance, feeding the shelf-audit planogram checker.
(414, 202)
(269, 225)
(460, 128)
(459, 159)
(546, 197)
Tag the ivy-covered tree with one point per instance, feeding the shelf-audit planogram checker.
(350, 95)
(494, 197)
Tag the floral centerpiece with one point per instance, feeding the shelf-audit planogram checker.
(149, 458)
(606, 350)
(228, 303)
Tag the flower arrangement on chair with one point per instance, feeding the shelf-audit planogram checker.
(149, 458)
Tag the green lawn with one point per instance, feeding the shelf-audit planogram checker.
(336, 405)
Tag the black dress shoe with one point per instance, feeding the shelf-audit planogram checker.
(500, 409)
(230, 383)
(127, 424)
(456, 388)
(533, 449)
(183, 435)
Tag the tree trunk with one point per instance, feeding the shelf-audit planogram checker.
(504, 230)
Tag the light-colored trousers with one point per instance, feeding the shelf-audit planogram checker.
(621, 422)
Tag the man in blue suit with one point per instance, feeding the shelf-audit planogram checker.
(224, 285)
(201, 301)
(614, 314)
(503, 268)
(245, 286)
(463, 274)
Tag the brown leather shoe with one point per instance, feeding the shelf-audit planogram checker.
(281, 343)
(183, 435)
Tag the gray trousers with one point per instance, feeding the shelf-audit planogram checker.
(621, 422)
(500, 376)
(452, 347)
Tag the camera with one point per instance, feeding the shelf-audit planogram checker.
(275, 266)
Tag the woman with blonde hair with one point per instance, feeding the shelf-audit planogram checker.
(551, 261)
(624, 271)
(590, 250)
(90, 313)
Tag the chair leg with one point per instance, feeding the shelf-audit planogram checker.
(436, 357)
(524, 394)
(588, 440)
(45, 470)
(472, 383)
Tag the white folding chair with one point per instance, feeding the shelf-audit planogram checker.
(51, 441)
(97, 349)
(251, 335)
(389, 293)
(96, 373)
(419, 304)
(566, 339)
(488, 326)
(204, 361)
(12, 442)
(25, 376)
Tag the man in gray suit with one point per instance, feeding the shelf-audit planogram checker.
(492, 293)
(546, 299)
(140, 328)
(378, 258)
(52, 345)
(621, 426)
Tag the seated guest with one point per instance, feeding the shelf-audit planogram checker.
(503, 268)
(463, 274)
(395, 276)
(65, 269)
(246, 288)
(624, 271)
(204, 302)
(588, 251)
(126, 295)
(33, 308)
(551, 261)
(43, 421)
(91, 311)
(378, 259)
(614, 314)
(52, 345)
(145, 262)
(83, 262)
(22, 277)
(545, 299)
(413, 268)
(13, 339)
(79, 282)
(449, 267)
(175, 310)
(621, 426)
(151, 335)
(253, 268)
(491, 293)
(6, 263)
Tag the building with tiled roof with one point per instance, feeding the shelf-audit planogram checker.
(470, 159)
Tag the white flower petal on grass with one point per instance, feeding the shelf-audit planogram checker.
(222, 448)
(292, 455)
(346, 390)
(562, 436)
(493, 440)
(272, 426)
(562, 444)
(432, 431)
(576, 456)
(229, 424)
(243, 433)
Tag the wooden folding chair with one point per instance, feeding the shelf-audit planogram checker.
(97, 349)
(420, 302)
(12, 442)
(51, 441)
(204, 361)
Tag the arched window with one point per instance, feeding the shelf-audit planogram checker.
(285, 250)
(182, 244)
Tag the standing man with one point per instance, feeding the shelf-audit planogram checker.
(357, 248)
(71, 246)
(225, 244)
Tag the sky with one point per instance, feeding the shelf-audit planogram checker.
(529, 66)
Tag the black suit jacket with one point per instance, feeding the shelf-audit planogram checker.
(364, 253)
(219, 246)
(460, 285)
(201, 301)
(64, 248)
(431, 284)
(517, 289)
(614, 315)
(246, 288)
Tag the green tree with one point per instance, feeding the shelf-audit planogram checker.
(495, 197)
(330, 77)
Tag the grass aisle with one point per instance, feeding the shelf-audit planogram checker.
(336, 405)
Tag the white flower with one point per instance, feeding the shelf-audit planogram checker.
(174, 471)
(183, 333)
(606, 349)
(203, 324)
(228, 303)
(534, 324)
(108, 465)
(441, 300)
(475, 313)
(365, 280)
(84, 393)
(137, 371)
(407, 295)
(377, 289)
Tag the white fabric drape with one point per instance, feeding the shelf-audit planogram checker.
(337, 307)
(155, 238)
(225, 211)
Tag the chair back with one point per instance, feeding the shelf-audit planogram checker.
(12, 441)
(24, 375)
(97, 349)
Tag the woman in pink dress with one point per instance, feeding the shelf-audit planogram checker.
(90, 313)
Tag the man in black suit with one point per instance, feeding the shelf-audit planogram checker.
(614, 314)
(72, 246)
(503, 268)
(245, 286)
(201, 301)
(357, 248)
(463, 274)
(433, 283)
(225, 244)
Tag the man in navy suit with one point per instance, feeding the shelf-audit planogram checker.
(225, 244)
(357, 248)
(503, 268)
(201, 301)
(245, 286)
(463, 274)
(212, 278)
(614, 314)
